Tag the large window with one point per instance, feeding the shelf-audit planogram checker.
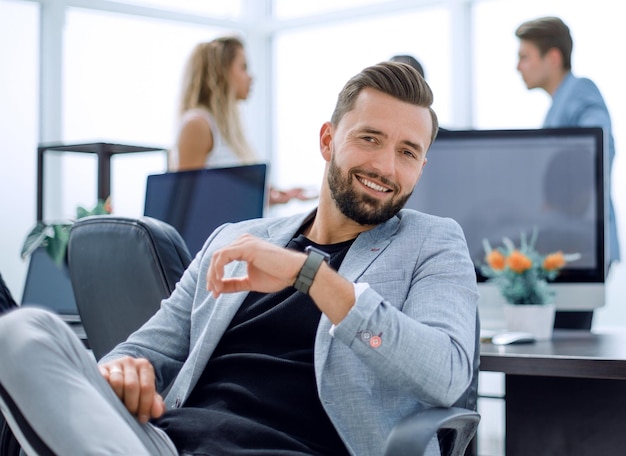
(232, 9)
(122, 78)
(122, 75)
(312, 64)
(121, 64)
(19, 92)
(287, 9)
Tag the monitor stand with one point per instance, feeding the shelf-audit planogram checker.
(573, 319)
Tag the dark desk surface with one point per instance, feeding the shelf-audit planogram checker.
(569, 353)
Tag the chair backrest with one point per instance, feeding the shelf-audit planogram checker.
(121, 268)
(6, 298)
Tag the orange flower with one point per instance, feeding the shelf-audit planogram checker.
(496, 260)
(518, 262)
(554, 261)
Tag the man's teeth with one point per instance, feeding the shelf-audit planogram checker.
(373, 186)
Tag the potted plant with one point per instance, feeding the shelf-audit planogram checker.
(522, 276)
(55, 236)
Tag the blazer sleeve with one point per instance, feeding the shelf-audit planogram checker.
(423, 319)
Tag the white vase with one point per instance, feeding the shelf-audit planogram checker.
(537, 319)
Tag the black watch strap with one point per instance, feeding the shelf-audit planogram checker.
(310, 267)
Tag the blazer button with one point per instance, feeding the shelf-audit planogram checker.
(375, 341)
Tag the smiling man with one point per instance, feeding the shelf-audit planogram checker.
(309, 334)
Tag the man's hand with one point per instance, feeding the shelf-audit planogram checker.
(134, 383)
(270, 268)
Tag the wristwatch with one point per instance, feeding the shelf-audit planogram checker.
(315, 258)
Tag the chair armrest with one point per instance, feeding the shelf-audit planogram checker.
(413, 433)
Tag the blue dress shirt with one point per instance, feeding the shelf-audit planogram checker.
(578, 103)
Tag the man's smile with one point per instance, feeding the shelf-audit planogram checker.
(374, 186)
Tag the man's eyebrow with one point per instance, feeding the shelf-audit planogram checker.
(372, 131)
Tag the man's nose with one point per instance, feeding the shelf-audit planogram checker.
(384, 161)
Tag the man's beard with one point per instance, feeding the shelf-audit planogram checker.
(361, 208)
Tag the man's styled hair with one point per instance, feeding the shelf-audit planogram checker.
(398, 80)
(547, 33)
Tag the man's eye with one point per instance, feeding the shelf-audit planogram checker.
(409, 153)
(368, 139)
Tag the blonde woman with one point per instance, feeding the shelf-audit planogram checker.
(216, 78)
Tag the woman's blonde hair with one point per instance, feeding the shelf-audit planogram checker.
(206, 85)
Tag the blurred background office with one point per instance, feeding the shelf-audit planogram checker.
(77, 71)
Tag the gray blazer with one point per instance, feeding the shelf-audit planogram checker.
(421, 303)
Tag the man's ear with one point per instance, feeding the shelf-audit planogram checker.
(556, 59)
(326, 139)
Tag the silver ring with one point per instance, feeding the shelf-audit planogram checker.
(116, 370)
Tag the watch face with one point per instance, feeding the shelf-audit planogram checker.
(310, 249)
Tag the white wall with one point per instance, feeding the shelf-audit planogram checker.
(18, 135)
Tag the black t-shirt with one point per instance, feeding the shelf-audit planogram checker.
(258, 394)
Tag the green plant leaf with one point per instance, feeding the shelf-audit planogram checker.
(99, 209)
(55, 236)
(36, 238)
(82, 212)
(57, 245)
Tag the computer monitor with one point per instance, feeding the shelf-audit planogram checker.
(196, 202)
(498, 183)
(48, 285)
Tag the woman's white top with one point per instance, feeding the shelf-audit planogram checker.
(221, 154)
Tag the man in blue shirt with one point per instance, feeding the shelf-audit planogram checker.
(545, 52)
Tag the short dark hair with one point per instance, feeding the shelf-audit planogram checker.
(547, 33)
(398, 80)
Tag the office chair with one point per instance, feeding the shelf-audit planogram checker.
(6, 298)
(121, 268)
(111, 256)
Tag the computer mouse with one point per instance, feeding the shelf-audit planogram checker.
(512, 337)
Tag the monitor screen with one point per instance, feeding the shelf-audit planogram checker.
(196, 202)
(500, 183)
(48, 285)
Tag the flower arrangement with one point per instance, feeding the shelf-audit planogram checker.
(522, 274)
(55, 236)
